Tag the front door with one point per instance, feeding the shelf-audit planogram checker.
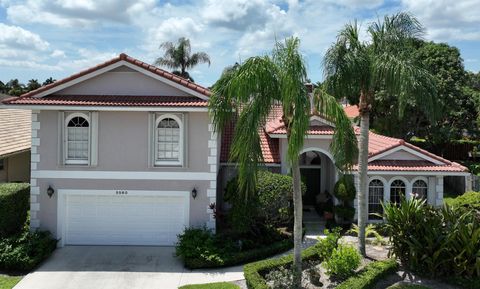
(311, 178)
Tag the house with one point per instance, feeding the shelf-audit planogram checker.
(14, 144)
(125, 153)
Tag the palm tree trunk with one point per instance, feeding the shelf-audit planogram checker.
(363, 171)
(297, 226)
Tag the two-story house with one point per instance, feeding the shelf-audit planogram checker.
(124, 153)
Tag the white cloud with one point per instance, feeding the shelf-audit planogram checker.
(447, 20)
(77, 13)
(18, 38)
(58, 54)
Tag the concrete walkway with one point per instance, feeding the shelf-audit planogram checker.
(120, 267)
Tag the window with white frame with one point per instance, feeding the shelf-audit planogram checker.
(397, 191)
(77, 139)
(420, 189)
(375, 199)
(168, 140)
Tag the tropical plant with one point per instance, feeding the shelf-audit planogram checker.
(249, 92)
(438, 242)
(344, 261)
(370, 231)
(357, 69)
(179, 57)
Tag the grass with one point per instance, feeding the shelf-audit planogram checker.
(407, 286)
(220, 285)
(7, 282)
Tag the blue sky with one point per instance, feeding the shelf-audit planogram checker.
(43, 38)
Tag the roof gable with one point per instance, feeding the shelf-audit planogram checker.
(114, 65)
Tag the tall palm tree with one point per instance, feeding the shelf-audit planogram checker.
(178, 56)
(248, 92)
(356, 69)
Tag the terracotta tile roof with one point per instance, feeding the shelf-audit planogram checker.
(269, 146)
(122, 57)
(15, 131)
(113, 100)
(351, 111)
(413, 166)
(312, 130)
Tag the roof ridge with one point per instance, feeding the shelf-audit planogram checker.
(120, 57)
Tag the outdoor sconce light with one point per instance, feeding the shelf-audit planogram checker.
(50, 191)
(194, 193)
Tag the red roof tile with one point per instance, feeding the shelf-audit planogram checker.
(312, 130)
(122, 57)
(269, 146)
(112, 100)
(413, 166)
(351, 111)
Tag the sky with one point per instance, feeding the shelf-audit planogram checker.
(56, 38)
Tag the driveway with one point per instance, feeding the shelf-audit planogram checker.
(119, 267)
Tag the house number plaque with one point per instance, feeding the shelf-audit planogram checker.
(121, 192)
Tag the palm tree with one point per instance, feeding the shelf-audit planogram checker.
(248, 92)
(179, 57)
(357, 69)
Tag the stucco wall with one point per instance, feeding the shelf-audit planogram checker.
(119, 82)
(122, 148)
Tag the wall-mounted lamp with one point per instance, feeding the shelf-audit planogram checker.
(50, 191)
(194, 193)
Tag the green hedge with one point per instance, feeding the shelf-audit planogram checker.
(240, 257)
(253, 271)
(14, 206)
(25, 251)
(370, 275)
(467, 200)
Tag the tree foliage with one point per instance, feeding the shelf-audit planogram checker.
(15, 88)
(457, 100)
(180, 58)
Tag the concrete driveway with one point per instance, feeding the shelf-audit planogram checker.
(119, 267)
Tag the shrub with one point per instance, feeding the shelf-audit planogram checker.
(23, 252)
(344, 261)
(370, 275)
(329, 243)
(254, 272)
(344, 212)
(14, 205)
(442, 242)
(270, 205)
(344, 189)
(200, 248)
(469, 200)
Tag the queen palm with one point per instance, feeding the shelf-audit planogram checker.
(248, 92)
(179, 57)
(357, 69)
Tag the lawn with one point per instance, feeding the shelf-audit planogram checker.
(221, 285)
(7, 282)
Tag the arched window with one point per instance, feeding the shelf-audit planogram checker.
(375, 199)
(77, 138)
(168, 141)
(397, 191)
(420, 189)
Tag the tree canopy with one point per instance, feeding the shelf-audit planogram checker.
(15, 88)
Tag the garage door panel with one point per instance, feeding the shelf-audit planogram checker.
(124, 220)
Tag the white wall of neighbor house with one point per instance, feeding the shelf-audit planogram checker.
(123, 164)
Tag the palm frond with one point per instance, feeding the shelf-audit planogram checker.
(344, 145)
(197, 58)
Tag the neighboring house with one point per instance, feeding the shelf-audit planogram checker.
(14, 144)
(125, 153)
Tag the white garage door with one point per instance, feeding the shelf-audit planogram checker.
(124, 220)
